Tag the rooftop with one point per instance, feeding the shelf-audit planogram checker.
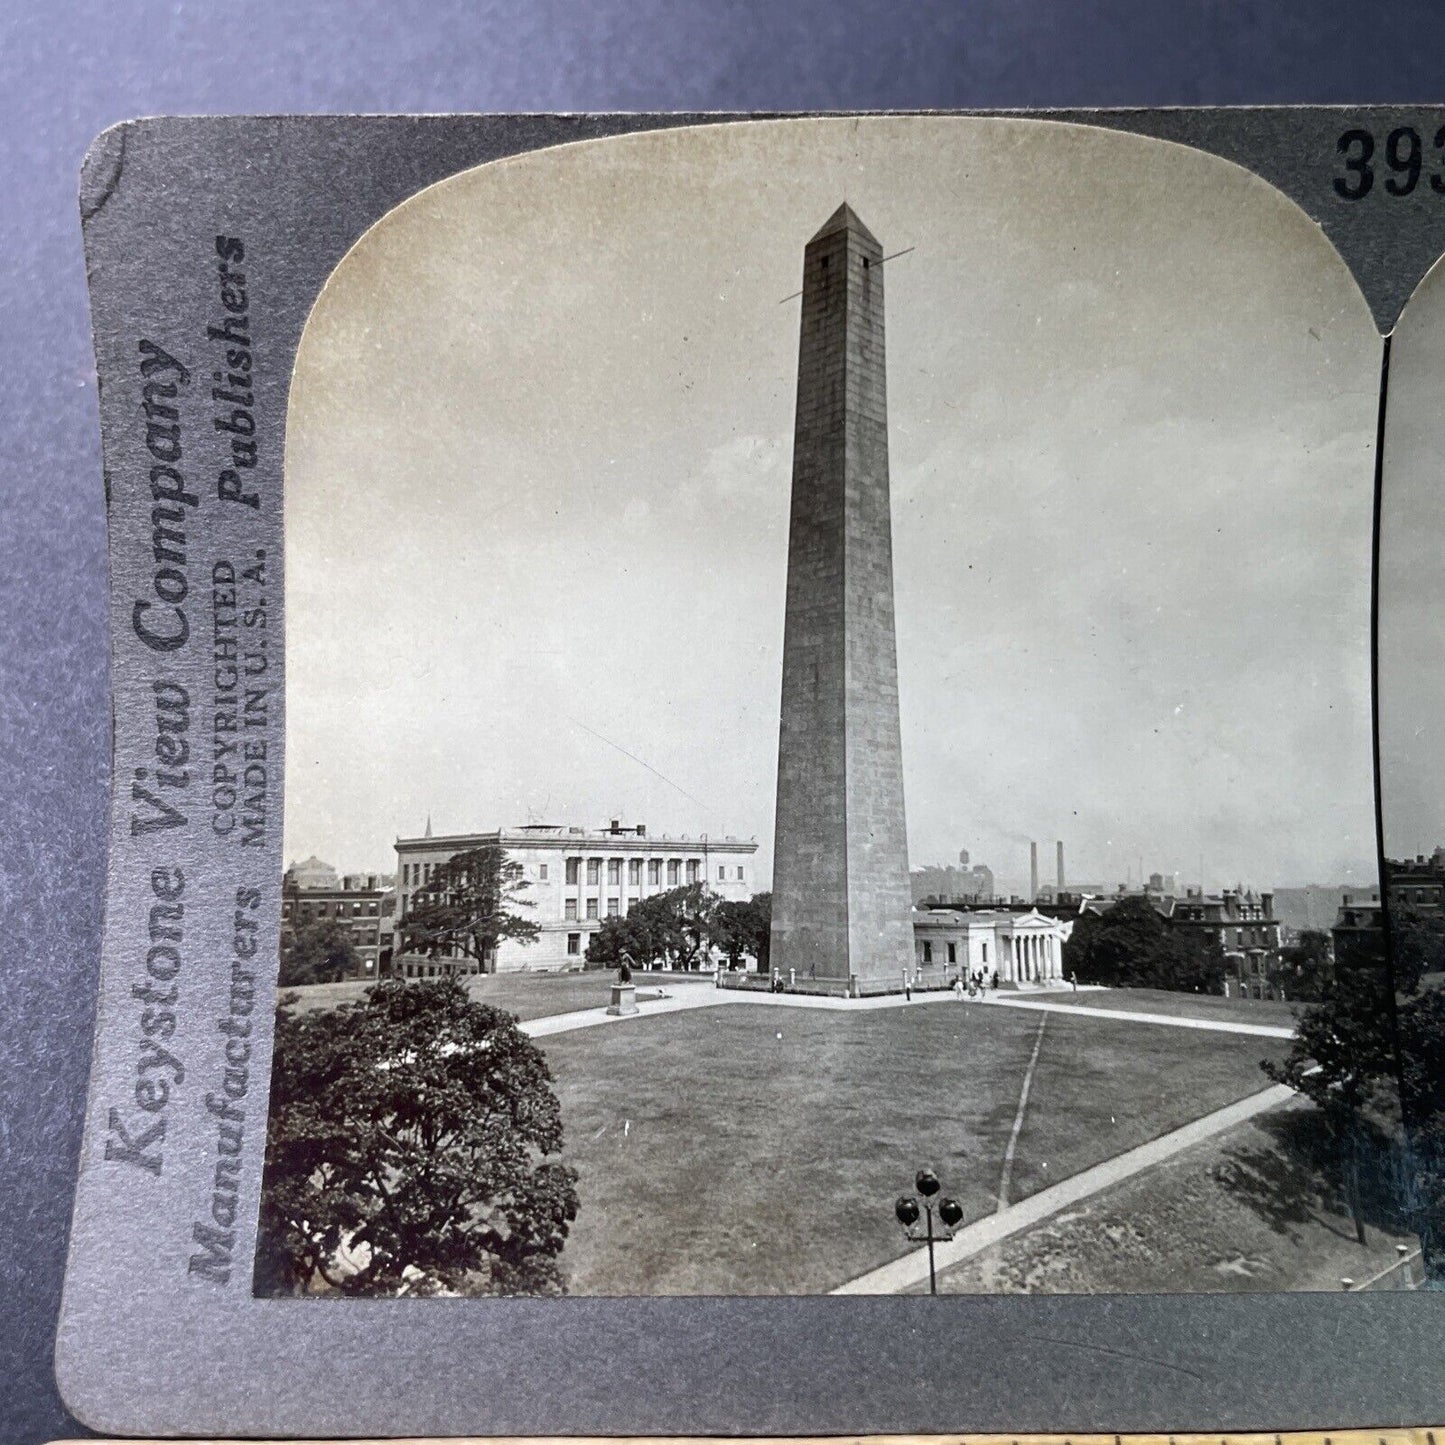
(845, 218)
(557, 834)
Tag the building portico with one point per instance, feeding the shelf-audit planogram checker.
(1025, 950)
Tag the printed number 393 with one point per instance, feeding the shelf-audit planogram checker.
(1404, 155)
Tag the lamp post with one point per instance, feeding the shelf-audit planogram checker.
(908, 1210)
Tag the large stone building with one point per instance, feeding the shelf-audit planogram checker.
(841, 898)
(576, 878)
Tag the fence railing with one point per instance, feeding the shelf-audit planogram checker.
(1407, 1272)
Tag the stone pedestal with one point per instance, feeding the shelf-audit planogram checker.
(624, 1000)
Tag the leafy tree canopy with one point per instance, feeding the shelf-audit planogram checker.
(469, 905)
(744, 928)
(318, 952)
(1342, 1053)
(672, 929)
(1417, 946)
(1304, 968)
(1421, 1022)
(408, 1151)
(1131, 946)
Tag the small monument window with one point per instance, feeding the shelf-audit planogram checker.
(574, 944)
(928, 953)
(542, 872)
(592, 908)
(571, 909)
(953, 953)
(574, 870)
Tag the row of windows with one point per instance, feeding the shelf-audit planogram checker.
(309, 910)
(952, 952)
(675, 871)
(415, 874)
(614, 908)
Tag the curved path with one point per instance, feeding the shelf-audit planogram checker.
(912, 1269)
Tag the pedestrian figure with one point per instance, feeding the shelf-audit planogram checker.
(958, 988)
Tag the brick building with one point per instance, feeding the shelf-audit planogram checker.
(360, 901)
(1244, 923)
(1359, 932)
(1417, 885)
(576, 878)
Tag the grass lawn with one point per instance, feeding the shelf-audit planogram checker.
(752, 1150)
(1182, 1005)
(528, 995)
(1243, 1211)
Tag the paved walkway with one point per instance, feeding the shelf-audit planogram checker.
(676, 998)
(679, 997)
(912, 1269)
(1215, 1025)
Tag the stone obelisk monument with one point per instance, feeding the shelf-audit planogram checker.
(841, 901)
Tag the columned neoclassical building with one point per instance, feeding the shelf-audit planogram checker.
(1025, 950)
(576, 879)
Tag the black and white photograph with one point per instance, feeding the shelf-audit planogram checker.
(829, 733)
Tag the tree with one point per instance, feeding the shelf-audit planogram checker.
(408, 1151)
(1342, 1052)
(744, 928)
(318, 952)
(1304, 969)
(673, 929)
(1417, 946)
(468, 906)
(1421, 1022)
(1131, 946)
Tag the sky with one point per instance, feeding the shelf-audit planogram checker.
(1412, 581)
(537, 483)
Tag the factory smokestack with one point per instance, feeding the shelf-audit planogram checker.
(1059, 850)
(1033, 871)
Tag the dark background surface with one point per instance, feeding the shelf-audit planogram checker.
(68, 70)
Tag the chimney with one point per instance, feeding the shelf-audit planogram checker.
(1059, 856)
(616, 825)
(642, 830)
(1033, 871)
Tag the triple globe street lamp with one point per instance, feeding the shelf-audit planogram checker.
(909, 1211)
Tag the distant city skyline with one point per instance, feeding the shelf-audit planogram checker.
(540, 439)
